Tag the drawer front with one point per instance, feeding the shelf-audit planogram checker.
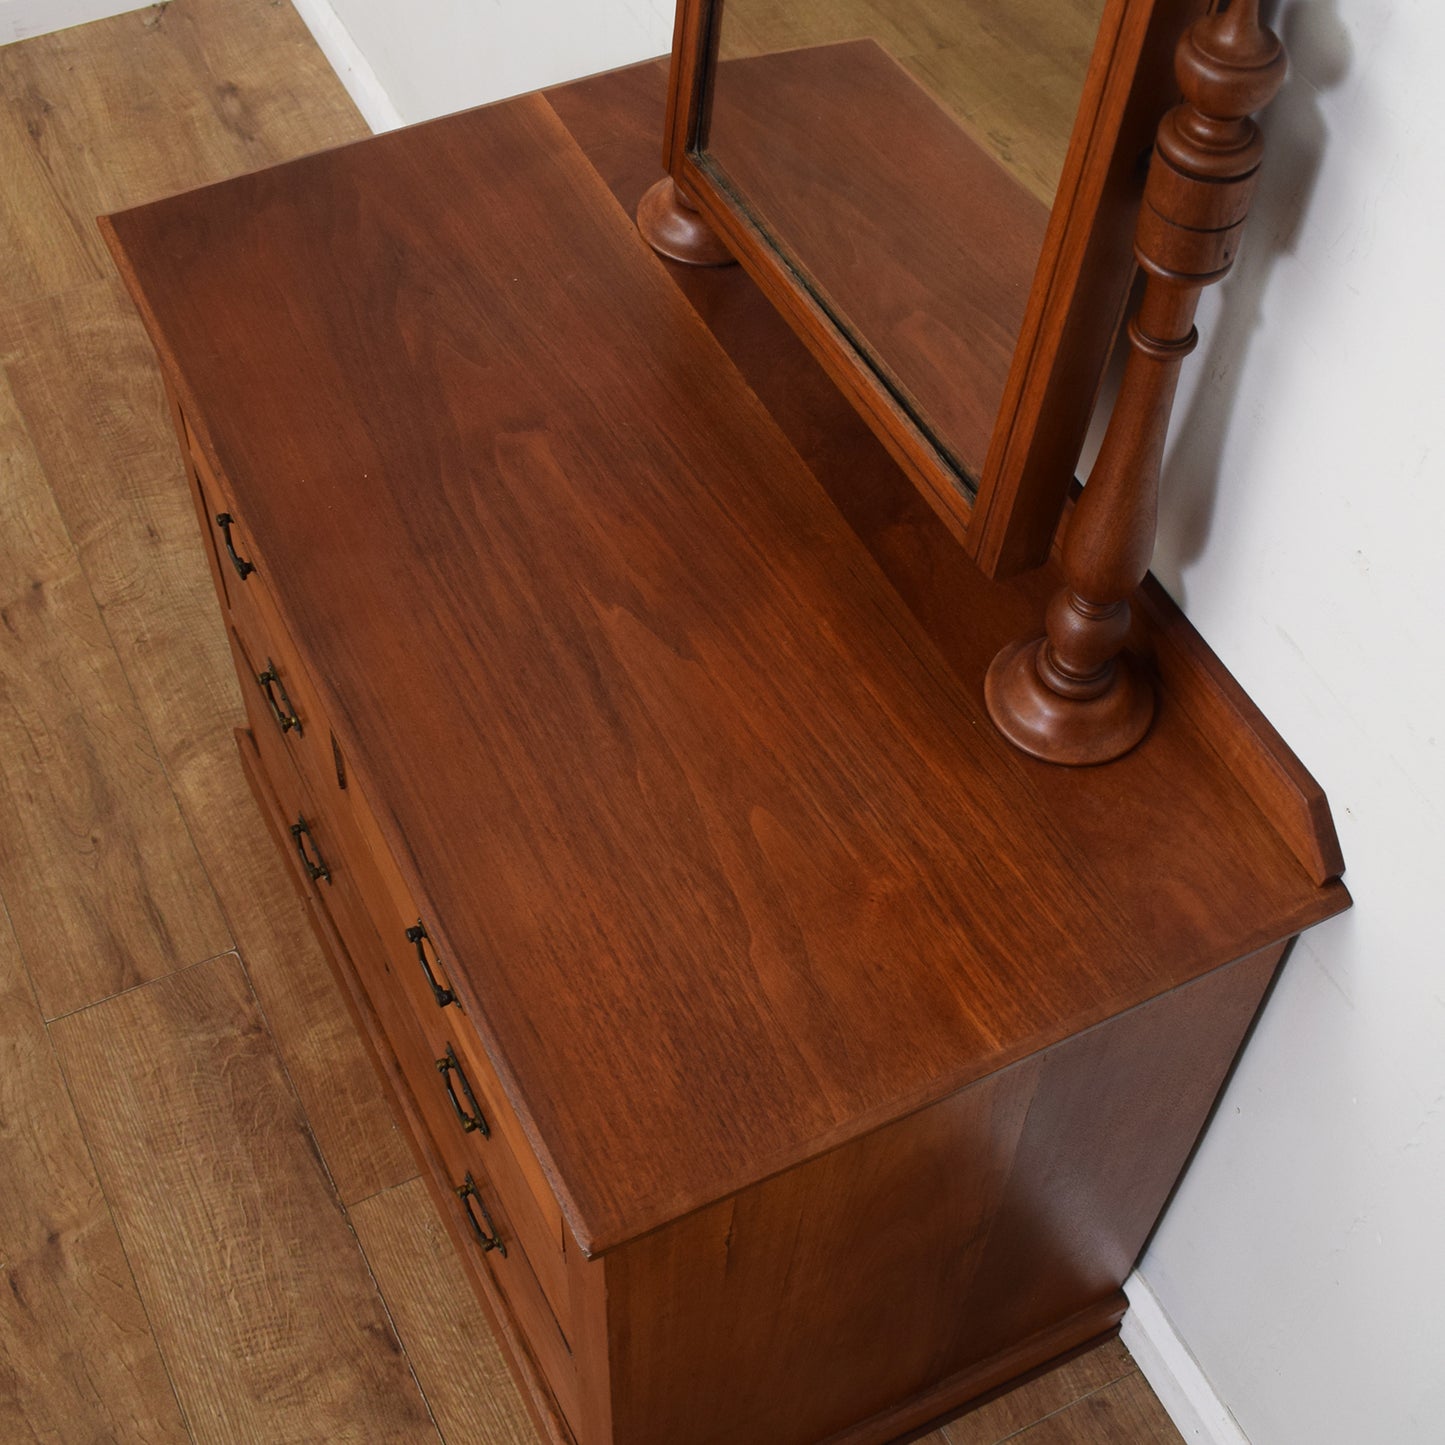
(274, 665)
(517, 1176)
(228, 543)
(426, 982)
(275, 744)
(487, 1230)
(455, 1121)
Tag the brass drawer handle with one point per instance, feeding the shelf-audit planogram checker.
(484, 1229)
(282, 709)
(225, 521)
(419, 936)
(301, 831)
(470, 1116)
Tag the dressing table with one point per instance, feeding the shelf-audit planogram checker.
(792, 1057)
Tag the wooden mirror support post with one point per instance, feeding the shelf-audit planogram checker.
(1073, 696)
(672, 226)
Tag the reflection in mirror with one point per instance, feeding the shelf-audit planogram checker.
(902, 156)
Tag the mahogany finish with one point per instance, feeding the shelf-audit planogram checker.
(1231, 743)
(819, 171)
(670, 221)
(1071, 697)
(802, 1009)
(1074, 304)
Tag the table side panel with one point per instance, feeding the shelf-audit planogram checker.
(914, 1256)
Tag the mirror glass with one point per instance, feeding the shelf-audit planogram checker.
(901, 156)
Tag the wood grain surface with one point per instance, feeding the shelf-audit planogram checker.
(227, 95)
(1070, 1155)
(77, 1358)
(925, 266)
(1007, 1414)
(681, 677)
(924, 564)
(1125, 1410)
(258, 1295)
(466, 1380)
(98, 871)
(1008, 72)
(85, 381)
(81, 126)
(46, 248)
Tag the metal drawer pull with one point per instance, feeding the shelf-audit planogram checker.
(419, 936)
(283, 710)
(469, 1117)
(225, 521)
(301, 831)
(483, 1228)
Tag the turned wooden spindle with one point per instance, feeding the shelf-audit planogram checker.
(1073, 696)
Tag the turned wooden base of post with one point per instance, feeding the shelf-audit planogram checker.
(1074, 731)
(672, 227)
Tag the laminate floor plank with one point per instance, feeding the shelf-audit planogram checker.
(85, 382)
(458, 1362)
(46, 250)
(1055, 1390)
(169, 98)
(102, 881)
(77, 1358)
(261, 1301)
(1124, 1411)
(275, 87)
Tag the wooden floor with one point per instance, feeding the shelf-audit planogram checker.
(209, 1226)
(1009, 71)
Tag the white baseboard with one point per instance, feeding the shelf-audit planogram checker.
(351, 66)
(20, 19)
(1198, 1413)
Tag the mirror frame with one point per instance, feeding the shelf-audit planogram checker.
(1075, 305)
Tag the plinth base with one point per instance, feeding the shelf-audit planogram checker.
(1071, 731)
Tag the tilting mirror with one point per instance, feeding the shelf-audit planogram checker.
(939, 195)
(902, 158)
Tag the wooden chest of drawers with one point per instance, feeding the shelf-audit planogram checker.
(791, 1060)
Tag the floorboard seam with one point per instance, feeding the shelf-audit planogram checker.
(144, 983)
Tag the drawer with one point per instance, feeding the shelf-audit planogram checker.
(228, 541)
(279, 681)
(304, 833)
(426, 981)
(468, 1086)
(263, 692)
(465, 1138)
(482, 1221)
(274, 663)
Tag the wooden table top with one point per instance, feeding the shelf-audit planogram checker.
(722, 844)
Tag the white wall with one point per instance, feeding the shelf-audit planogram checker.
(1303, 1259)
(431, 57)
(21, 19)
